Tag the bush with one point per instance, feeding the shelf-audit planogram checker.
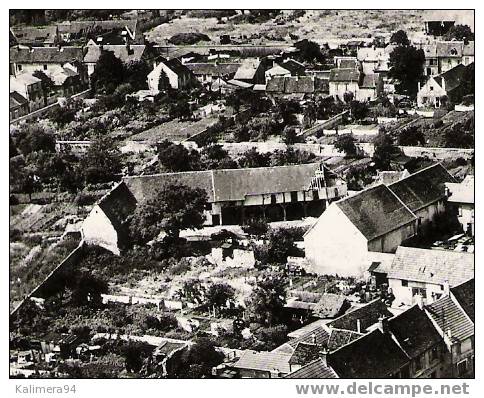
(188, 38)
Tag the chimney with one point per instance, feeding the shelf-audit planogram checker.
(323, 355)
(418, 86)
(358, 326)
(443, 83)
(383, 324)
(446, 288)
(449, 334)
(447, 191)
(313, 338)
(419, 300)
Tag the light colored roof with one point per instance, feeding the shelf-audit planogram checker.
(306, 329)
(469, 49)
(247, 69)
(344, 75)
(330, 305)
(449, 48)
(316, 369)
(239, 83)
(45, 55)
(432, 266)
(449, 316)
(24, 79)
(264, 361)
(463, 192)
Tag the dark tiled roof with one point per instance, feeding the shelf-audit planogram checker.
(329, 306)
(453, 77)
(414, 331)
(348, 63)
(213, 69)
(339, 338)
(432, 266)
(374, 356)
(176, 66)
(295, 85)
(17, 99)
(264, 361)
(121, 51)
(46, 55)
(465, 296)
(118, 204)
(230, 184)
(304, 353)
(422, 188)
(367, 315)
(293, 66)
(35, 34)
(375, 211)
(87, 27)
(313, 370)
(344, 75)
(318, 336)
(469, 49)
(449, 48)
(450, 317)
(370, 80)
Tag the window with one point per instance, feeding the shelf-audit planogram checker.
(419, 290)
(404, 283)
(431, 88)
(45, 67)
(462, 368)
(273, 199)
(294, 196)
(315, 195)
(20, 67)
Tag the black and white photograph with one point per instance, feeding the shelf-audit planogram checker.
(241, 194)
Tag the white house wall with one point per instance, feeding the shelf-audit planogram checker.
(98, 230)
(335, 246)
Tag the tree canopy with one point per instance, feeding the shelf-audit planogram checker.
(406, 65)
(108, 73)
(400, 38)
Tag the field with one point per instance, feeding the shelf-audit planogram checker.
(318, 25)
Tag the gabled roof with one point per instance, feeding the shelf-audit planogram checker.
(118, 204)
(212, 69)
(374, 356)
(329, 306)
(133, 52)
(465, 296)
(247, 69)
(367, 315)
(450, 317)
(25, 79)
(344, 75)
(370, 80)
(422, 188)
(17, 100)
(263, 361)
(293, 66)
(376, 211)
(35, 34)
(453, 77)
(461, 192)
(414, 331)
(449, 48)
(339, 338)
(59, 55)
(432, 266)
(348, 63)
(316, 369)
(304, 353)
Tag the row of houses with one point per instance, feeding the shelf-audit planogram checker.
(379, 219)
(374, 341)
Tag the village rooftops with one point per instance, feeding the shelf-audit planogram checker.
(422, 188)
(316, 369)
(344, 75)
(465, 296)
(432, 266)
(374, 355)
(376, 211)
(414, 331)
(247, 69)
(330, 305)
(360, 319)
(35, 34)
(126, 53)
(17, 100)
(229, 184)
(264, 361)
(25, 79)
(461, 192)
(45, 55)
(213, 69)
(450, 316)
(452, 78)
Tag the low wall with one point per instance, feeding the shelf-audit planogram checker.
(327, 124)
(437, 153)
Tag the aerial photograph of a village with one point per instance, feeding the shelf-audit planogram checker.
(241, 193)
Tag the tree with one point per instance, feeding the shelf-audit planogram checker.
(291, 156)
(85, 288)
(281, 244)
(108, 73)
(460, 33)
(175, 157)
(252, 158)
(266, 303)
(46, 82)
(290, 136)
(215, 157)
(309, 51)
(199, 359)
(384, 150)
(359, 110)
(163, 82)
(255, 226)
(411, 136)
(348, 96)
(174, 207)
(400, 38)
(136, 73)
(219, 294)
(406, 65)
(181, 110)
(102, 161)
(34, 138)
(346, 143)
